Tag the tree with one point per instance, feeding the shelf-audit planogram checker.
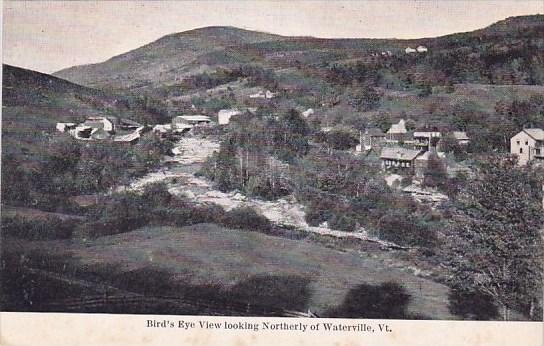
(340, 140)
(498, 245)
(410, 124)
(382, 120)
(436, 174)
(365, 99)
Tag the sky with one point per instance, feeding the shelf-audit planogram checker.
(47, 36)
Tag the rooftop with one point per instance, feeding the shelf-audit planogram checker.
(427, 134)
(460, 135)
(398, 153)
(193, 117)
(537, 134)
(398, 128)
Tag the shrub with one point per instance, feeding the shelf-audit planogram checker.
(48, 228)
(387, 300)
(345, 223)
(246, 218)
(472, 305)
(261, 186)
(405, 229)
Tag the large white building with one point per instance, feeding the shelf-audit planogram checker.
(528, 145)
(224, 115)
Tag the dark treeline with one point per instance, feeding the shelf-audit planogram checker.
(67, 167)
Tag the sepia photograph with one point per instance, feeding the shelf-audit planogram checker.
(303, 159)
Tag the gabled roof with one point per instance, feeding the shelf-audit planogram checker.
(398, 128)
(233, 111)
(536, 134)
(460, 135)
(191, 118)
(100, 134)
(129, 137)
(397, 153)
(125, 121)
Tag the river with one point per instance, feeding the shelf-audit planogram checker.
(178, 171)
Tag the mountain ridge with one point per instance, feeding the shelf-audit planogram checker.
(175, 56)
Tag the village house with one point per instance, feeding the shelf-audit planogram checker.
(162, 128)
(421, 49)
(82, 132)
(397, 132)
(103, 128)
(528, 145)
(372, 138)
(190, 120)
(63, 127)
(399, 159)
(104, 123)
(224, 115)
(308, 112)
(129, 137)
(425, 139)
(93, 128)
(461, 137)
(263, 95)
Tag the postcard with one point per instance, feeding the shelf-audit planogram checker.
(272, 172)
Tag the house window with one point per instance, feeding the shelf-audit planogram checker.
(537, 151)
(521, 150)
(526, 142)
(517, 142)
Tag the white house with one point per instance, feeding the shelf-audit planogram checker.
(421, 49)
(224, 115)
(372, 138)
(424, 139)
(263, 95)
(397, 131)
(399, 158)
(103, 123)
(162, 128)
(461, 137)
(63, 127)
(528, 145)
(410, 50)
(191, 120)
(308, 112)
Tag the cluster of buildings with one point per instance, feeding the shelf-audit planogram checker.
(103, 128)
(406, 151)
(184, 123)
(418, 49)
(409, 151)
